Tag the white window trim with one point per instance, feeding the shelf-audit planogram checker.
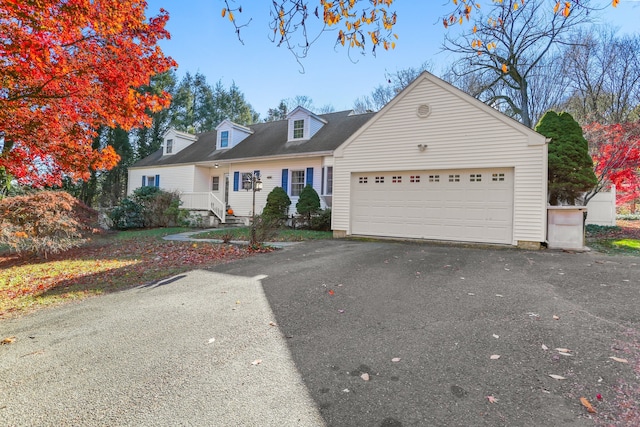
(228, 138)
(291, 183)
(325, 181)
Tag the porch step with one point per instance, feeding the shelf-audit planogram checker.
(232, 221)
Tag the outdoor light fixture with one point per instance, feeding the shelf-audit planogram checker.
(216, 166)
(251, 181)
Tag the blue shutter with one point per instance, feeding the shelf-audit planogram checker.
(322, 180)
(236, 181)
(144, 181)
(285, 180)
(157, 180)
(309, 176)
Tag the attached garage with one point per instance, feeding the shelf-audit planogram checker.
(438, 164)
(467, 205)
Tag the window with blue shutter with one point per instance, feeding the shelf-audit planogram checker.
(144, 181)
(157, 180)
(285, 180)
(236, 181)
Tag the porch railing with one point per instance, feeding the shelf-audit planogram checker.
(204, 201)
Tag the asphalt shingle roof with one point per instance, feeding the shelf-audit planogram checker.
(268, 140)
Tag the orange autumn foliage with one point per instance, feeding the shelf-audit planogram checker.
(69, 67)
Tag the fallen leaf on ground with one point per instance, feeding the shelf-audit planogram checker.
(500, 296)
(617, 359)
(557, 377)
(492, 399)
(212, 340)
(496, 336)
(563, 350)
(256, 362)
(556, 317)
(272, 323)
(8, 340)
(471, 294)
(544, 347)
(494, 357)
(587, 405)
(341, 311)
(599, 396)
(331, 292)
(365, 376)
(564, 354)
(395, 359)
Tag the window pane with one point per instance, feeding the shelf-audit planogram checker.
(215, 183)
(151, 181)
(297, 182)
(224, 138)
(329, 181)
(298, 129)
(169, 146)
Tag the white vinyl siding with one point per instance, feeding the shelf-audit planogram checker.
(271, 177)
(172, 178)
(459, 134)
(179, 141)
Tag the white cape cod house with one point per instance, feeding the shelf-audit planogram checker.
(434, 163)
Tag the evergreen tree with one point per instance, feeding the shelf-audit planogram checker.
(278, 113)
(149, 140)
(308, 203)
(570, 166)
(278, 203)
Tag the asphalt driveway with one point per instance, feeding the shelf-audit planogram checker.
(342, 333)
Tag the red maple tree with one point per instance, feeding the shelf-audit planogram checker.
(615, 150)
(68, 67)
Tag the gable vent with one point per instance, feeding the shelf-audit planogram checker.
(423, 111)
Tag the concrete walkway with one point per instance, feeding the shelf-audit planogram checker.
(186, 237)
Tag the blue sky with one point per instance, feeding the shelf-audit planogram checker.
(202, 41)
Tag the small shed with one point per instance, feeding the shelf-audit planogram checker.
(436, 163)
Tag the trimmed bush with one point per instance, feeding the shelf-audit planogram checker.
(45, 222)
(308, 203)
(277, 206)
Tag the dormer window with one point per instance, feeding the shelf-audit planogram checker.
(298, 129)
(169, 146)
(224, 139)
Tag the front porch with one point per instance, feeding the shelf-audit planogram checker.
(205, 201)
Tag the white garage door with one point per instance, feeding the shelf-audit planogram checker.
(462, 205)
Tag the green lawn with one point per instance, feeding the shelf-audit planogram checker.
(284, 235)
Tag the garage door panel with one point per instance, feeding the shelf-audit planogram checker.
(462, 205)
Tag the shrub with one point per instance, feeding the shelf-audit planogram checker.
(148, 207)
(322, 221)
(308, 203)
(266, 228)
(277, 206)
(128, 214)
(45, 222)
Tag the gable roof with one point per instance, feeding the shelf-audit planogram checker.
(533, 137)
(268, 140)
